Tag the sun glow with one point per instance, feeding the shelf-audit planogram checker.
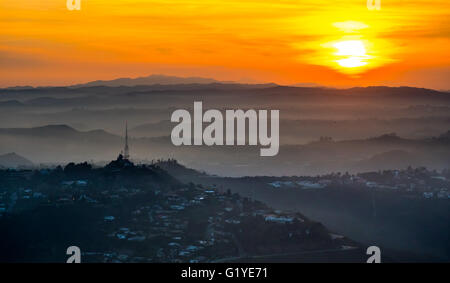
(322, 41)
(351, 48)
(354, 53)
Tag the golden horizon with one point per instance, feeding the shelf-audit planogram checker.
(288, 42)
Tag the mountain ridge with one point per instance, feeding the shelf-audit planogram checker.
(167, 80)
(149, 80)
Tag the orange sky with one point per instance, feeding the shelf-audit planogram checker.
(328, 42)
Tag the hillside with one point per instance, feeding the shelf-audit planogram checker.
(13, 160)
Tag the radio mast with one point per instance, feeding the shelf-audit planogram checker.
(126, 151)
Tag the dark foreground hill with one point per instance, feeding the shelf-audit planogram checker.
(406, 212)
(127, 213)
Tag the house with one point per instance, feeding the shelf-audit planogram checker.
(38, 195)
(278, 219)
(443, 194)
(192, 248)
(184, 253)
(442, 178)
(310, 185)
(428, 195)
(121, 236)
(109, 218)
(177, 207)
(81, 183)
(232, 221)
(371, 184)
(279, 184)
(276, 184)
(137, 238)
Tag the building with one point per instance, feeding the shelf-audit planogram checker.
(126, 151)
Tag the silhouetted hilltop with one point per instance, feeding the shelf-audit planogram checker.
(13, 160)
(121, 172)
(120, 163)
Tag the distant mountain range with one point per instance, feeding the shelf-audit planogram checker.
(150, 80)
(350, 116)
(62, 143)
(163, 81)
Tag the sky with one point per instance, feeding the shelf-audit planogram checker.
(337, 43)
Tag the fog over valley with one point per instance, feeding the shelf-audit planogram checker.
(321, 129)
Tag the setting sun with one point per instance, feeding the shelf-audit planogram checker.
(352, 52)
(325, 42)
